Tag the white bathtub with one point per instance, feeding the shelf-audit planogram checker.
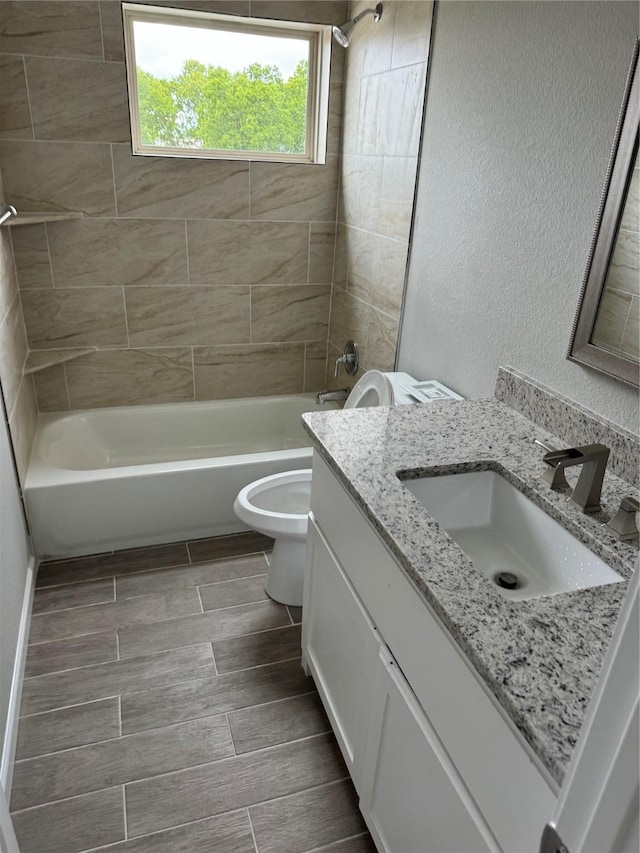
(106, 479)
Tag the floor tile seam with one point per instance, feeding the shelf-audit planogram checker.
(124, 814)
(71, 669)
(71, 607)
(230, 811)
(196, 584)
(232, 711)
(227, 557)
(64, 799)
(122, 737)
(108, 662)
(339, 781)
(215, 662)
(111, 573)
(235, 758)
(199, 594)
(63, 639)
(253, 834)
(233, 743)
(74, 705)
(337, 841)
(122, 627)
(259, 665)
(184, 567)
(290, 616)
(107, 847)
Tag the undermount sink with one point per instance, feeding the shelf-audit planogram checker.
(507, 537)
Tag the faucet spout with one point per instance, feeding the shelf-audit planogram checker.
(593, 459)
(332, 396)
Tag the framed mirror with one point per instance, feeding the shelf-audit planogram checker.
(606, 329)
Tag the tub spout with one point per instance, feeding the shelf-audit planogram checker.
(332, 396)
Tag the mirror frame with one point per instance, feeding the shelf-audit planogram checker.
(619, 171)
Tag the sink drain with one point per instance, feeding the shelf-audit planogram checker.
(507, 580)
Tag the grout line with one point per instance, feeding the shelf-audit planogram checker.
(309, 255)
(186, 243)
(213, 658)
(126, 317)
(290, 616)
(120, 713)
(104, 54)
(113, 181)
(253, 835)
(331, 844)
(117, 645)
(66, 385)
(200, 599)
(124, 810)
(115, 589)
(233, 743)
(259, 665)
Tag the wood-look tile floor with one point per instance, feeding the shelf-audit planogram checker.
(165, 709)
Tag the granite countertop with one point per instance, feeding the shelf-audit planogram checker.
(540, 657)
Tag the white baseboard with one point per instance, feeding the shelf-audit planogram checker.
(13, 714)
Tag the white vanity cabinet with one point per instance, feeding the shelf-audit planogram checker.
(436, 765)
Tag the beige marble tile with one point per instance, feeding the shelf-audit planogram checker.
(130, 377)
(79, 101)
(390, 115)
(610, 321)
(102, 252)
(187, 316)
(112, 37)
(315, 364)
(15, 118)
(44, 28)
(8, 280)
(631, 215)
(51, 389)
(341, 259)
(22, 426)
(289, 313)
(351, 106)
(411, 32)
(292, 191)
(322, 243)
(248, 371)
(58, 176)
(382, 339)
(31, 253)
(349, 321)
(624, 272)
(75, 317)
(13, 352)
(336, 98)
(175, 188)
(377, 270)
(360, 189)
(630, 345)
(396, 196)
(248, 252)
(311, 11)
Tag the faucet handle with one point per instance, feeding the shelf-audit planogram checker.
(554, 475)
(623, 522)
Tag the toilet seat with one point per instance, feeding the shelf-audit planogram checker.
(372, 389)
(278, 504)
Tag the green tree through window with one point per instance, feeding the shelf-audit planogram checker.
(208, 107)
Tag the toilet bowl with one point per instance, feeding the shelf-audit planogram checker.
(278, 506)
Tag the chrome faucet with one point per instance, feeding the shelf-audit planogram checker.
(332, 396)
(593, 458)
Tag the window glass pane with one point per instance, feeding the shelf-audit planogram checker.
(215, 89)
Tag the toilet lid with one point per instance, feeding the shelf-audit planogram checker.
(372, 389)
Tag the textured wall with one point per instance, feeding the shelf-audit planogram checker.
(194, 278)
(384, 95)
(521, 110)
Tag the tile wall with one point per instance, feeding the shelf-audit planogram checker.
(385, 75)
(17, 388)
(194, 279)
(617, 327)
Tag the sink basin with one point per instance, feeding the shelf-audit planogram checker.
(502, 531)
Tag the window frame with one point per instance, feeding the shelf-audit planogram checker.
(319, 38)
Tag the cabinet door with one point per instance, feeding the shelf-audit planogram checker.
(340, 646)
(412, 796)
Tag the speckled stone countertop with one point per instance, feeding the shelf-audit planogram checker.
(540, 657)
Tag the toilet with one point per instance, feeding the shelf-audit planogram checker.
(278, 505)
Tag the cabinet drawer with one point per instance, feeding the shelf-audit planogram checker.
(498, 770)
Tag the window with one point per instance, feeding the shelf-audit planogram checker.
(206, 85)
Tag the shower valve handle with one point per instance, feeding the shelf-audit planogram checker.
(349, 358)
